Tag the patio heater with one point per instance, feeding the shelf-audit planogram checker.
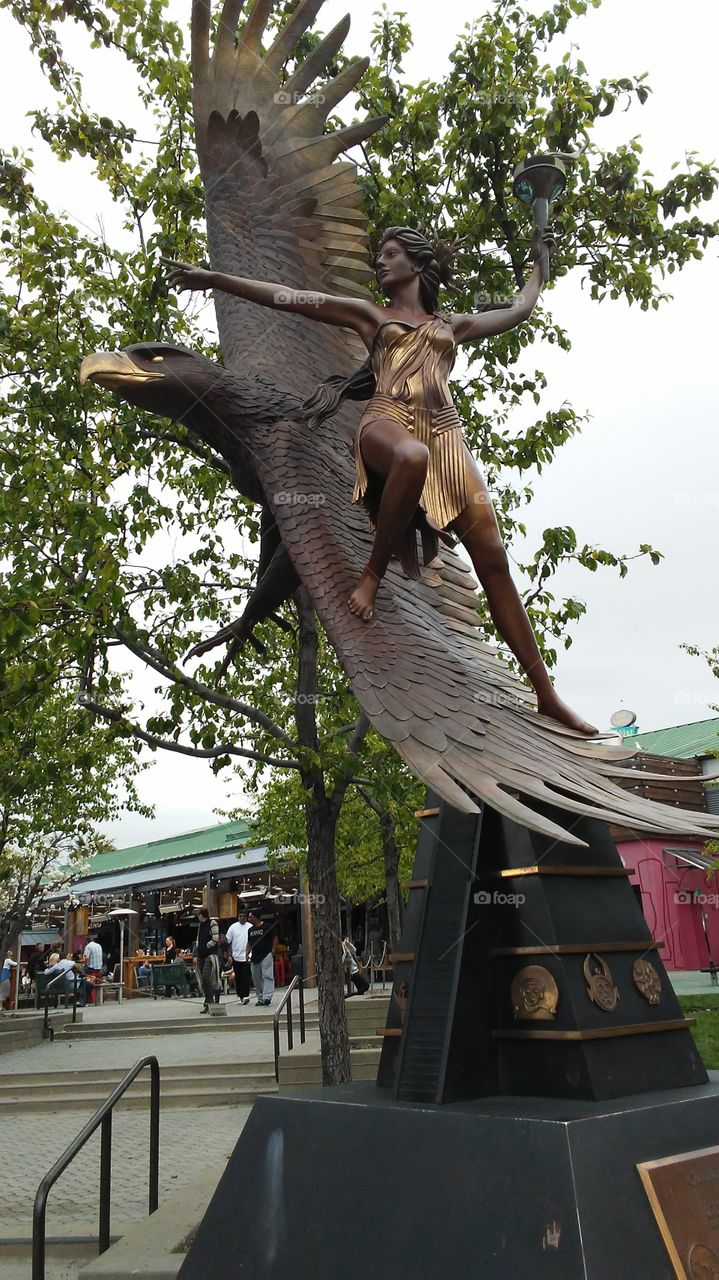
(120, 913)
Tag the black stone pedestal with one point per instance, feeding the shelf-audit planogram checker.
(349, 1184)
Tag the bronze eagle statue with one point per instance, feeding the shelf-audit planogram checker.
(281, 205)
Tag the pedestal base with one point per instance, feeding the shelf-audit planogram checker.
(347, 1182)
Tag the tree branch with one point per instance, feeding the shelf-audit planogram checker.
(155, 659)
(201, 753)
(353, 747)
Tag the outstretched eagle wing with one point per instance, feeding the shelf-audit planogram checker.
(281, 206)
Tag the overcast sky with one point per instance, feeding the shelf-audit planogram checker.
(645, 467)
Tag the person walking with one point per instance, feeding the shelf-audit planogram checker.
(206, 952)
(349, 957)
(94, 960)
(237, 935)
(261, 942)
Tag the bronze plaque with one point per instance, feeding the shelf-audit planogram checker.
(683, 1191)
(535, 994)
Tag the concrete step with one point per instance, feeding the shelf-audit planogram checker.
(155, 1248)
(305, 1067)
(23, 1095)
(109, 1076)
(204, 1091)
(21, 1030)
(126, 1030)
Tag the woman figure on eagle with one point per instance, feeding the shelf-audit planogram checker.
(413, 468)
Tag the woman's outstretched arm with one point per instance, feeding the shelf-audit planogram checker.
(350, 313)
(467, 328)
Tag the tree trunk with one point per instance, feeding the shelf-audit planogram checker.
(322, 876)
(395, 904)
(321, 819)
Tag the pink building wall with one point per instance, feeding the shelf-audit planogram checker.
(671, 910)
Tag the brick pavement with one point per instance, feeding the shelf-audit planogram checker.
(192, 1142)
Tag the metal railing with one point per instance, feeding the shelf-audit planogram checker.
(102, 1118)
(295, 985)
(48, 1032)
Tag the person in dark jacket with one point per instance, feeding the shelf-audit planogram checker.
(261, 942)
(207, 949)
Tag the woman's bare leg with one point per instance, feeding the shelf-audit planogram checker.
(478, 530)
(389, 450)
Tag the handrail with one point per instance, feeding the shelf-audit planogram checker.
(48, 1032)
(102, 1117)
(296, 983)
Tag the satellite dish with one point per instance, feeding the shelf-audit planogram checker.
(623, 718)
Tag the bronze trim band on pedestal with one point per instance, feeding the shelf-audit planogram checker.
(414, 884)
(575, 948)
(392, 1032)
(595, 1033)
(426, 813)
(402, 957)
(509, 873)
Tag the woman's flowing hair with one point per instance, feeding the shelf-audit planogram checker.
(435, 269)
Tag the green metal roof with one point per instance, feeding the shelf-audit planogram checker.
(700, 738)
(224, 835)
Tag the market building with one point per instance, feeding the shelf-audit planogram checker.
(675, 878)
(162, 883)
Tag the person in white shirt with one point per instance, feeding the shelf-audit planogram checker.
(92, 955)
(72, 977)
(237, 939)
(5, 975)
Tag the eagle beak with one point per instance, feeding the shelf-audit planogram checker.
(113, 369)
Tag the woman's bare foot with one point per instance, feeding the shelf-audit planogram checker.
(551, 705)
(361, 602)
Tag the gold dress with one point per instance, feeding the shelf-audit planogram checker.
(411, 365)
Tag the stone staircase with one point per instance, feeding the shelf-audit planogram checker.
(127, 1029)
(24, 1029)
(365, 1015)
(203, 1084)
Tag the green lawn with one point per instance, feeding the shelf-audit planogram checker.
(705, 1009)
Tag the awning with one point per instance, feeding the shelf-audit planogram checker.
(224, 863)
(693, 858)
(31, 937)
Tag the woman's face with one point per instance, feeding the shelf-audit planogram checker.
(393, 266)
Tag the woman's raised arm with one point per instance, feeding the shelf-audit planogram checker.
(468, 328)
(350, 313)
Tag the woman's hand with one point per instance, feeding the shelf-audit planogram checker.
(543, 239)
(182, 275)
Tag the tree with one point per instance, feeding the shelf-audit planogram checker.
(91, 487)
(376, 829)
(60, 775)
